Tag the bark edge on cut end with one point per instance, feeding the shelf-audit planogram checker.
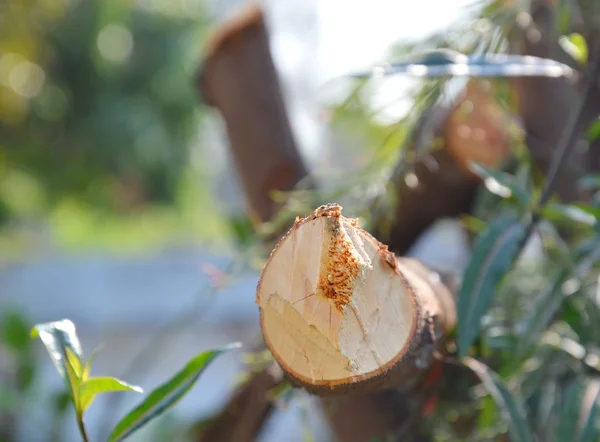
(341, 314)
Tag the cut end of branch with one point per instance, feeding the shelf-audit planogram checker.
(336, 312)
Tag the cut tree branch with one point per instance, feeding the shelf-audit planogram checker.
(238, 78)
(440, 184)
(341, 314)
(243, 417)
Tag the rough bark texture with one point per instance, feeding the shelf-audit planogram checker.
(238, 78)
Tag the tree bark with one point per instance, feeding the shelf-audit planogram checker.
(440, 183)
(238, 78)
(243, 417)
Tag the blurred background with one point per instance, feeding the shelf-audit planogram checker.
(120, 208)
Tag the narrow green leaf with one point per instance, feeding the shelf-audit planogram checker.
(593, 134)
(73, 379)
(540, 316)
(88, 365)
(575, 45)
(548, 409)
(473, 224)
(512, 410)
(493, 255)
(167, 395)
(567, 426)
(580, 214)
(579, 419)
(75, 362)
(62, 344)
(589, 430)
(502, 184)
(93, 386)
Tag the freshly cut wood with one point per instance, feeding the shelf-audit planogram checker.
(340, 312)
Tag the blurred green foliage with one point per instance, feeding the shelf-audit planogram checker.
(99, 121)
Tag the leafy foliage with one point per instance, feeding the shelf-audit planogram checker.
(519, 428)
(63, 346)
(493, 256)
(99, 124)
(114, 105)
(166, 396)
(528, 311)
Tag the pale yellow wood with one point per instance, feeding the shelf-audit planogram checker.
(332, 307)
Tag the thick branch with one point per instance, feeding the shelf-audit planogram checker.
(243, 417)
(440, 184)
(239, 79)
(342, 315)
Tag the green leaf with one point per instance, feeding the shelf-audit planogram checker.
(511, 408)
(502, 184)
(443, 62)
(540, 316)
(578, 213)
(15, 332)
(62, 344)
(567, 426)
(75, 362)
(88, 365)
(579, 420)
(167, 395)
(593, 134)
(92, 387)
(589, 425)
(472, 223)
(575, 45)
(493, 255)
